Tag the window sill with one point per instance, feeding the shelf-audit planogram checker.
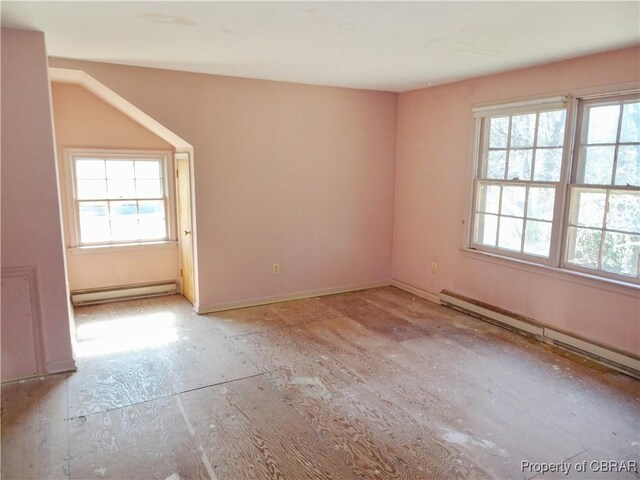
(125, 247)
(593, 281)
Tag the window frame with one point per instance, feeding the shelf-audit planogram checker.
(558, 252)
(165, 159)
(579, 130)
(483, 114)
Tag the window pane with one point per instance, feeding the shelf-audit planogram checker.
(603, 124)
(489, 198)
(94, 222)
(148, 188)
(119, 169)
(537, 238)
(598, 165)
(123, 210)
(584, 247)
(520, 164)
(496, 163)
(628, 165)
(620, 253)
(90, 168)
(551, 128)
(152, 229)
(124, 230)
(151, 208)
(548, 164)
(588, 208)
(120, 183)
(498, 129)
(630, 130)
(486, 228)
(540, 203)
(147, 169)
(151, 220)
(624, 211)
(121, 188)
(523, 128)
(91, 189)
(124, 221)
(513, 201)
(510, 234)
(89, 210)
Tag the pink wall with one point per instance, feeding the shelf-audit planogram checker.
(292, 174)
(433, 172)
(31, 230)
(82, 120)
(304, 176)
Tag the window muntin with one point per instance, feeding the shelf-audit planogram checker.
(525, 173)
(119, 199)
(603, 233)
(517, 181)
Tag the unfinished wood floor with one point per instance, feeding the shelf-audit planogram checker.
(376, 384)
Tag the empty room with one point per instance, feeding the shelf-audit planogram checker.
(320, 240)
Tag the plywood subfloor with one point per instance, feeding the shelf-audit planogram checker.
(377, 384)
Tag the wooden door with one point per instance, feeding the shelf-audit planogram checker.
(185, 236)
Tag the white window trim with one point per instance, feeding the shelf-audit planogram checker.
(571, 183)
(72, 218)
(124, 247)
(573, 276)
(555, 264)
(481, 136)
(519, 107)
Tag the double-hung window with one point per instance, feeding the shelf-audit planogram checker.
(604, 216)
(536, 200)
(119, 198)
(518, 179)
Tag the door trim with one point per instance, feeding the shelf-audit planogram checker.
(188, 157)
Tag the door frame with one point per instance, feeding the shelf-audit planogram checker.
(187, 155)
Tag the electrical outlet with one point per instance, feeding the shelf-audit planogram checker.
(434, 267)
(276, 269)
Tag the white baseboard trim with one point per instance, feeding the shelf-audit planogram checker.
(418, 292)
(293, 296)
(62, 366)
(123, 292)
(574, 343)
(491, 314)
(612, 357)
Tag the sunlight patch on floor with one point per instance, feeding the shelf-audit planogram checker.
(125, 334)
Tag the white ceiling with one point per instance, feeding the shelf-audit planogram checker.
(394, 46)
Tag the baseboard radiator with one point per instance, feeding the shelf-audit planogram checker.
(625, 362)
(124, 292)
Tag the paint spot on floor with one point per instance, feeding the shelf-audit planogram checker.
(488, 444)
(311, 386)
(460, 438)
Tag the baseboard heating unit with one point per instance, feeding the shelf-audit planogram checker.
(123, 292)
(625, 362)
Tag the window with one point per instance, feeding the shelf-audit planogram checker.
(532, 201)
(518, 180)
(604, 216)
(119, 198)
